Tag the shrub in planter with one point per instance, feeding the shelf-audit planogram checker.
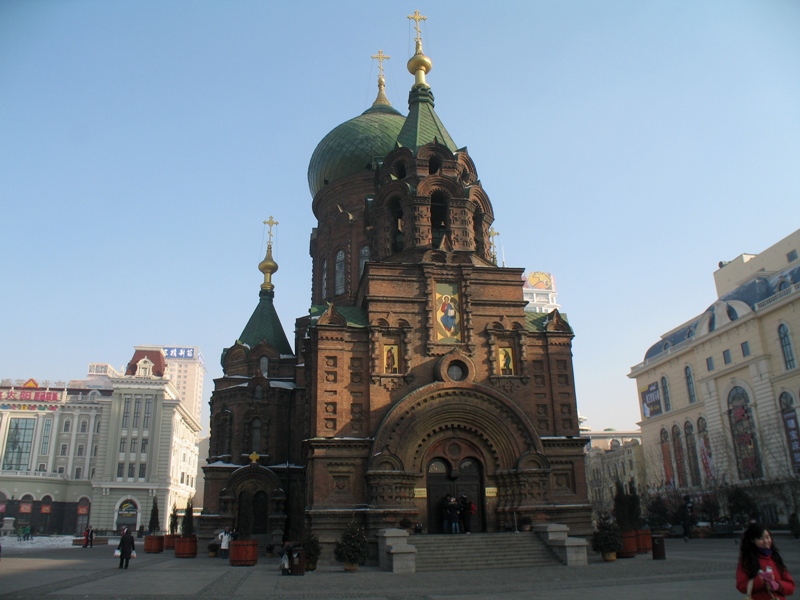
(351, 547)
(312, 549)
(607, 538)
(186, 545)
(244, 551)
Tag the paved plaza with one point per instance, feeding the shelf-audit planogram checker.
(701, 569)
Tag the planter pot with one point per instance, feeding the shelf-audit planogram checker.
(169, 541)
(244, 553)
(185, 547)
(350, 567)
(154, 544)
(609, 556)
(628, 545)
(644, 542)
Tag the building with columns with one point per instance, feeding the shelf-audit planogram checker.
(97, 450)
(718, 394)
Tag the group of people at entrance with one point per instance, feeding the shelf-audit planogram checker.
(457, 514)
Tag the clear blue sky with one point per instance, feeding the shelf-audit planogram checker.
(627, 147)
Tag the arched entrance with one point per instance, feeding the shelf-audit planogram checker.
(127, 515)
(446, 476)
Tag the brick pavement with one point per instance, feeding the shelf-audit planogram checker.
(702, 569)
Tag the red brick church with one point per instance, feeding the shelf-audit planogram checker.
(417, 371)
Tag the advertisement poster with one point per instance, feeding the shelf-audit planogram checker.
(651, 400)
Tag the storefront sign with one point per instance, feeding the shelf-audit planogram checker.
(25, 507)
(27, 395)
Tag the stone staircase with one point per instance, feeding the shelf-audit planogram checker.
(481, 551)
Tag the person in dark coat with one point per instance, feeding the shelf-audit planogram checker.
(126, 547)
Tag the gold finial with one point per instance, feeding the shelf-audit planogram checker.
(381, 100)
(493, 234)
(254, 456)
(419, 64)
(268, 266)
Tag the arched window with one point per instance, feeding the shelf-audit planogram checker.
(665, 390)
(680, 460)
(691, 454)
(263, 365)
(690, 385)
(84, 426)
(67, 425)
(258, 392)
(324, 283)
(786, 346)
(666, 459)
(363, 257)
(438, 217)
(255, 434)
(339, 273)
(396, 225)
(745, 443)
(790, 425)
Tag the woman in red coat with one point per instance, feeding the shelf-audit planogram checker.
(760, 561)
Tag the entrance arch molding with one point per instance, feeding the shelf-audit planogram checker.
(439, 410)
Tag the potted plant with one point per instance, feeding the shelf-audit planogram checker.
(351, 547)
(169, 539)
(628, 515)
(312, 549)
(213, 548)
(607, 539)
(244, 551)
(186, 544)
(154, 543)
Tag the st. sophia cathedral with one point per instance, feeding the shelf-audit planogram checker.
(416, 372)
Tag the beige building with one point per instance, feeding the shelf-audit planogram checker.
(718, 393)
(98, 450)
(612, 456)
(186, 369)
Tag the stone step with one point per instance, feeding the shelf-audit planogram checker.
(481, 551)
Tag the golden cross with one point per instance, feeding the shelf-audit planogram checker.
(417, 18)
(271, 223)
(380, 57)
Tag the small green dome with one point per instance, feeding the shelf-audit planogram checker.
(351, 147)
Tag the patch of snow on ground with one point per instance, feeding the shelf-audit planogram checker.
(12, 546)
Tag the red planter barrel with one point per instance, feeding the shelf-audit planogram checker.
(644, 543)
(243, 553)
(169, 541)
(628, 545)
(185, 547)
(154, 544)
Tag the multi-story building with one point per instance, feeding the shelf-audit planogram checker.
(96, 450)
(611, 457)
(718, 393)
(186, 369)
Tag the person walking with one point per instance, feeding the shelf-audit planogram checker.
(86, 538)
(761, 571)
(91, 537)
(224, 542)
(127, 548)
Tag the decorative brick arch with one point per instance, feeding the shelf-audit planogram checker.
(439, 410)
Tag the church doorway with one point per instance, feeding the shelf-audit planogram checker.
(448, 477)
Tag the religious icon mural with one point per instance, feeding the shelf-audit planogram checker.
(506, 359)
(448, 313)
(390, 358)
